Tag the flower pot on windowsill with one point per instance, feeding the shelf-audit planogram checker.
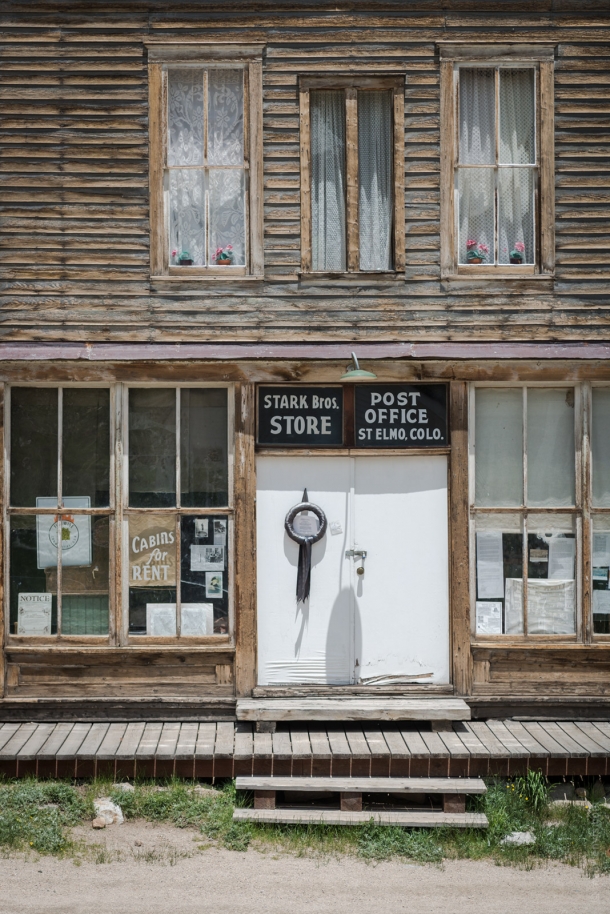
(224, 263)
(185, 263)
(475, 260)
(516, 260)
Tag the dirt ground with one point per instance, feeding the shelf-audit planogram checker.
(141, 868)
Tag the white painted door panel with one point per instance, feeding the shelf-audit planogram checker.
(391, 622)
(402, 600)
(311, 643)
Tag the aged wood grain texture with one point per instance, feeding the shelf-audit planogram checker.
(459, 518)
(245, 545)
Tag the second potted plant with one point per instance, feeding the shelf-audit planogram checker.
(224, 256)
(517, 255)
(476, 253)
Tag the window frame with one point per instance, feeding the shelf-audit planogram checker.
(162, 57)
(455, 56)
(578, 511)
(350, 85)
(118, 512)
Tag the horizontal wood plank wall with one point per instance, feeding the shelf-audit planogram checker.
(74, 242)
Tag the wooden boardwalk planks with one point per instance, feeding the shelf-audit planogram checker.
(226, 749)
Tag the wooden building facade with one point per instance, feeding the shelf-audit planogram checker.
(205, 210)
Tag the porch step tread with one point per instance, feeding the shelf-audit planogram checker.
(364, 785)
(405, 819)
(287, 709)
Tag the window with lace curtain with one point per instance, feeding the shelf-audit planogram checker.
(352, 196)
(497, 180)
(206, 163)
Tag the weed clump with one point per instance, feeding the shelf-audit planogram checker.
(37, 815)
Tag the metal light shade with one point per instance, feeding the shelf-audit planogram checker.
(357, 373)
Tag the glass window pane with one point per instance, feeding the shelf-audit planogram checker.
(33, 587)
(516, 215)
(227, 213)
(476, 209)
(477, 117)
(375, 179)
(600, 563)
(86, 445)
(152, 448)
(204, 584)
(499, 447)
(499, 570)
(600, 446)
(517, 117)
(225, 117)
(33, 444)
(152, 575)
(186, 217)
(203, 448)
(185, 116)
(328, 219)
(550, 447)
(551, 575)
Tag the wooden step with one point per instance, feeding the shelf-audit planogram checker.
(344, 709)
(407, 819)
(364, 785)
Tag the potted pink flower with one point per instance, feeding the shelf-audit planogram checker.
(517, 255)
(476, 253)
(224, 256)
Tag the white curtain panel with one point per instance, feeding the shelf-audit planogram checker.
(328, 222)
(375, 179)
(513, 186)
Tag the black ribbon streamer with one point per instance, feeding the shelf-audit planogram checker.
(305, 543)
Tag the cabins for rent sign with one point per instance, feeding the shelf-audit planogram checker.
(152, 551)
(401, 415)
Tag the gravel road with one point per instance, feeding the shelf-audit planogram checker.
(167, 872)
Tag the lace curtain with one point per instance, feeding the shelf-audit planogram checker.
(328, 228)
(375, 179)
(512, 187)
(207, 199)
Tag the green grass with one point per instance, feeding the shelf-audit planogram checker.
(38, 815)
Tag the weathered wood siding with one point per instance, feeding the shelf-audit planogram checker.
(74, 244)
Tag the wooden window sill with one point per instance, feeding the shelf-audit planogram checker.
(373, 276)
(187, 275)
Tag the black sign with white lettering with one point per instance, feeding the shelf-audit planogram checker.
(300, 416)
(401, 415)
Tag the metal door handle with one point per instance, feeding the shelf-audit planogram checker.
(352, 553)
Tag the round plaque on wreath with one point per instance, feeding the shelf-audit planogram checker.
(305, 541)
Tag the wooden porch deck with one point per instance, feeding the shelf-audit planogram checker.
(225, 749)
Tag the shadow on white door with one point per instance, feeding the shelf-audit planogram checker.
(389, 624)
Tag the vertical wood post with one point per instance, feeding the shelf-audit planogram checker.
(459, 538)
(245, 540)
(3, 564)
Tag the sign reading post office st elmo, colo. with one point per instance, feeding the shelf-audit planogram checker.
(300, 416)
(401, 415)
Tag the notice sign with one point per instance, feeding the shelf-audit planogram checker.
(401, 415)
(300, 416)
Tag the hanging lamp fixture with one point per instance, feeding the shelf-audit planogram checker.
(355, 373)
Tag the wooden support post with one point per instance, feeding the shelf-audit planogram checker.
(264, 799)
(351, 802)
(245, 544)
(460, 567)
(454, 802)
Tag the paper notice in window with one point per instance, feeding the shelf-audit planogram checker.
(601, 602)
(489, 618)
(550, 607)
(601, 549)
(34, 613)
(562, 550)
(490, 566)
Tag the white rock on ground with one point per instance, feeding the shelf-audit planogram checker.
(125, 787)
(109, 811)
(519, 838)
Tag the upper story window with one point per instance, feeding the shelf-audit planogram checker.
(206, 162)
(497, 162)
(352, 194)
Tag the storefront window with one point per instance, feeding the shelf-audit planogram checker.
(60, 550)
(178, 559)
(600, 498)
(525, 562)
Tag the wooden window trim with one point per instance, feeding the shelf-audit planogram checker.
(249, 58)
(351, 85)
(453, 55)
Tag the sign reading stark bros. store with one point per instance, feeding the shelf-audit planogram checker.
(385, 416)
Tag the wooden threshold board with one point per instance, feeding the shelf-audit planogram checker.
(346, 709)
(364, 785)
(338, 817)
